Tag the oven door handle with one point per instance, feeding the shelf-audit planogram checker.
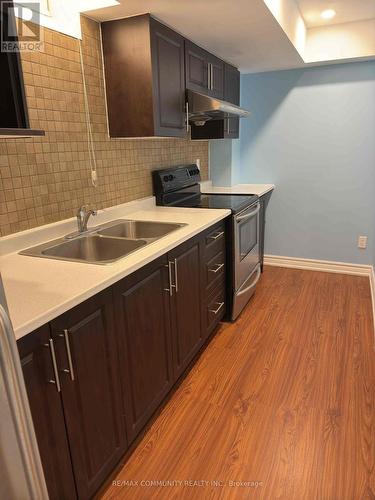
(240, 218)
(258, 273)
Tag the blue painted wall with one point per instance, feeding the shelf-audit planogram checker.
(312, 133)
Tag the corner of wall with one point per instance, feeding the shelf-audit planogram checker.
(220, 154)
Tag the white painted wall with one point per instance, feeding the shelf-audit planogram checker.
(289, 17)
(340, 41)
(63, 17)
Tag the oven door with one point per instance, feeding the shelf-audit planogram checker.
(246, 244)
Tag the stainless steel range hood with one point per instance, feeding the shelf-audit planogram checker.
(202, 108)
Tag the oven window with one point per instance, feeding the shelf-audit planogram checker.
(248, 236)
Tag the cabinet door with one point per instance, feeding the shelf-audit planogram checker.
(187, 277)
(232, 128)
(47, 412)
(90, 390)
(232, 84)
(264, 200)
(142, 308)
(167, 49)
(196, 65)
(232, 94)
(216, 82)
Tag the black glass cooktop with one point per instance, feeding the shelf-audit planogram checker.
(234, 202)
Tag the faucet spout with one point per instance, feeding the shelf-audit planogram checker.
(83, 216)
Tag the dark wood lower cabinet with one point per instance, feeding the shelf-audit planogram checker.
(264, 200)
(90, 390)
(118, 355)
(143, 327)
(48, 415)
(187, 276)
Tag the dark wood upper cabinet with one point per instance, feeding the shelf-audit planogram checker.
(223, 129)
(145, 83)
(47, 412)
(232, 94)
(231, 84)
(143, 325)
(87, 355)
(204, 72)
(196, 67)
(14, 119)
(217, 77)
(188, 280)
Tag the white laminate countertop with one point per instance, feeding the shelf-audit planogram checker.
(39, 289)
(259, 189)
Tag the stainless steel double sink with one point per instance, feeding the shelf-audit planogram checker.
(105, 243)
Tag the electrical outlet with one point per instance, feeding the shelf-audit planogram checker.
(362, 241)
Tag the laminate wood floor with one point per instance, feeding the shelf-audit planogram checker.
(285, 397)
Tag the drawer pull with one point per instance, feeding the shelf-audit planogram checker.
(219, 266)
(216, 311)
(170, 289)
(55, 381)
(175, 275)
(217, 236)
(65, 335)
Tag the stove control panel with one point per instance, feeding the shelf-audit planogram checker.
(172, 179)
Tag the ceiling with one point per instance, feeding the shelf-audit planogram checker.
(346, 11)
(242, 32)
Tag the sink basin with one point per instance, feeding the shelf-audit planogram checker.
(136, 229)
(106, 243)
(93, 249)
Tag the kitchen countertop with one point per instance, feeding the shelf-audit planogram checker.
(259, 189)
(39, 289)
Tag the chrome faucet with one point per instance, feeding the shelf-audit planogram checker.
(83, 216)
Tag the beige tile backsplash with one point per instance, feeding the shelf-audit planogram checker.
(46, 179)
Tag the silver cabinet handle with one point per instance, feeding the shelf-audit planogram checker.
(175, 275)
(228, 126)
(219, 266)
(209, 76)
(212, 77)
(69, 354)
(56, 380)
(248, 216)
(219, 235)
(216, 311)
(170, 289)
(258, 273)
(187, 116)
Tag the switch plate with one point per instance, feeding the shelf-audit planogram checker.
(362, 241)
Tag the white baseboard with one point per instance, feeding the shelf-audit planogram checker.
(372, 287)
(326, 266)
(318, 265)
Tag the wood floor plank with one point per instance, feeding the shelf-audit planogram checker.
(284, 397)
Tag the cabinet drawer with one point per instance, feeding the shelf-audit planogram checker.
(215, 308)
(215, 241)
(215, 269)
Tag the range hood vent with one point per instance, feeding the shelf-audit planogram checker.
(203, 108)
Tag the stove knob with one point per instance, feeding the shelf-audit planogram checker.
(171, 177)
(165, 178)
